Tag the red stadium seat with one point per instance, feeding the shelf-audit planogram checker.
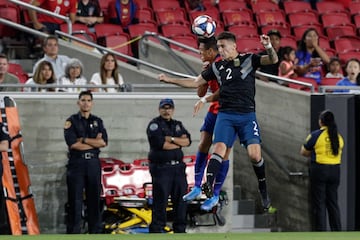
(347, 44)
(119, 43)
(11, 13)
(146, 15)
(329, 81)
(160, 5)
(171, 16)
(190, 41)
(335, 19)
(345, 56)
(244, 31)
(18, 71)
(264, 6)
(354, 8)
(270, 17)
(141, 4)
(250, 44)
(289, 41)
(232, 6)
(106, 29)
(243, 17)
(297, 6)
(139, 29)
(285, 30)
(303, 18)
(325, 7)
(171, 30)
(305, 80)
(338, 31)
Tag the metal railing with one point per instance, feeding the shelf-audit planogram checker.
(41, 10)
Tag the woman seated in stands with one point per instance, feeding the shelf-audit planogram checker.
(352, 69)
(310, 56)
(108, 75)
(44, 74)
(73, 76)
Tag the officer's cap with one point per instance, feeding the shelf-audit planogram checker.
(166, 101)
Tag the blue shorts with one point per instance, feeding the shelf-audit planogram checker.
(244, 125)
(209, 123)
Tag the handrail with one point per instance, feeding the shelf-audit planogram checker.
(163, 41)
(23, 28)
(324, 88)
(312, 88)
(156, 67)
(41, 10)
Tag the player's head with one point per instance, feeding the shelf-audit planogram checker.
(226, 43)
(208, 49)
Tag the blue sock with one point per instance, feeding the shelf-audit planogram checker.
(221, 176)
(200, 165)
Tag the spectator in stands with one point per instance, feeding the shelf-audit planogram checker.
(273, 69)
(49, 24)
(324, 146)
(89, 13)
(334, 67)
(108, 75)
(310, 56)
(196, 5)
(123, 12)
(287, 64)
(352, 69)
(5, 76)
(43, 75)
(51, 49)
(73, 76)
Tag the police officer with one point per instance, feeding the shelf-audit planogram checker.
(84, 134)
(166, 137)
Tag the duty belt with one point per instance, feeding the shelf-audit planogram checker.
(87, 155)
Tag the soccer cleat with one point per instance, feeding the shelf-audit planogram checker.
(193, 194)
(207, 189)
(210, 203)
(266, 203)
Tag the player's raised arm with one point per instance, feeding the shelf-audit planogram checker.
(183, 82)
(271, 56)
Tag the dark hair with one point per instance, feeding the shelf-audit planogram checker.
(226, 36)
(50, 37)
(327, 119)
(286, 51)
(354, 60)
(302, 45)
(2, 55)
(84, 93)
(209, 43)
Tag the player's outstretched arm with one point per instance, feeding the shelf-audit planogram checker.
(200, 103)
(182, 82)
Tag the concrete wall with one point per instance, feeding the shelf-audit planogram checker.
(283, 125)
(284, 118)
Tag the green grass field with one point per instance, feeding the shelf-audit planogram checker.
(202, 236)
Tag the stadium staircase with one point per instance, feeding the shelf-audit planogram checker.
(247, 217)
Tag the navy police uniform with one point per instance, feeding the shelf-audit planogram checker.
(83, 172)
(168, 174)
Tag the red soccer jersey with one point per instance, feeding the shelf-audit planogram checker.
(61, 7)
(214, 86)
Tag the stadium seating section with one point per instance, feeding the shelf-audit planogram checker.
(337, 25)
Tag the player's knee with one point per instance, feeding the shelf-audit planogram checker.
(255, 157)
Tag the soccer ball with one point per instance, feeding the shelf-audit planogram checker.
(204, 26)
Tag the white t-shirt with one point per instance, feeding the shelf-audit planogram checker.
(33, 89)
(96, 80)
(66, 81)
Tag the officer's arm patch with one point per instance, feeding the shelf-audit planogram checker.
(67, 125)
(153, 127)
